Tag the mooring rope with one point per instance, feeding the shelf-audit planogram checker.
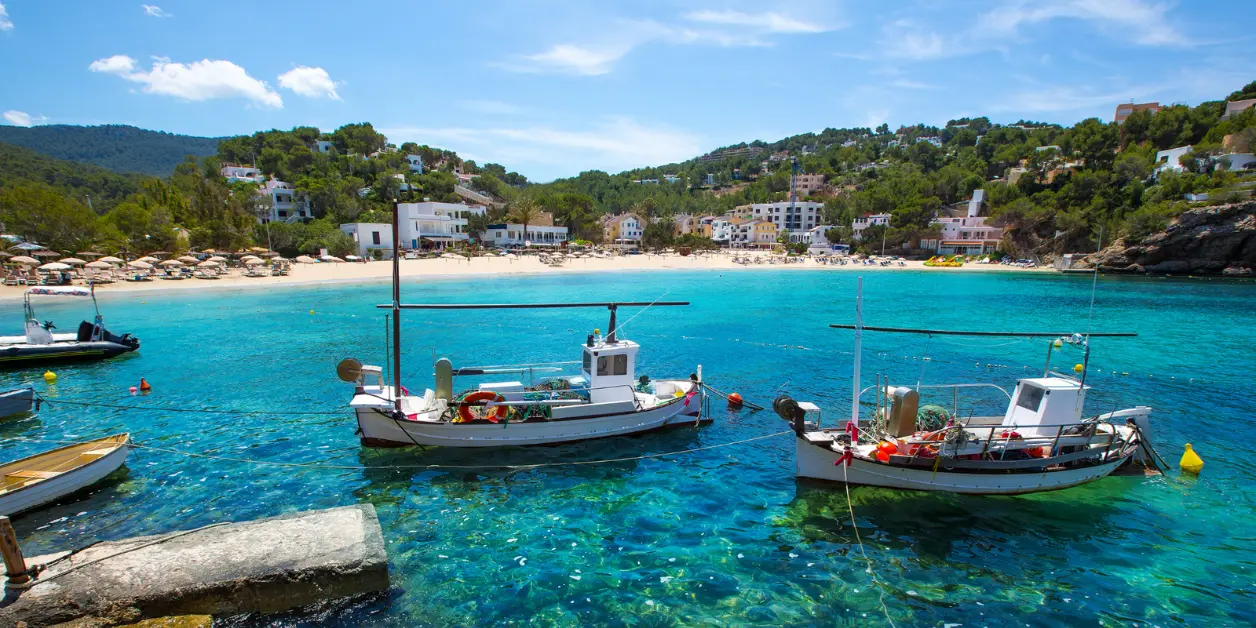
(156, 408)
(859, 540)
(314, 465)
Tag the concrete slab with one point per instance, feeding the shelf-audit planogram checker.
(262, 566)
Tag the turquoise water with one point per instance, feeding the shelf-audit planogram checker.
(723, 535)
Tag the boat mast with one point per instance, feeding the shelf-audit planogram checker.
(854, 399)
(396, 303)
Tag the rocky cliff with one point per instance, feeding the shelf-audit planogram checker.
(1217, 240)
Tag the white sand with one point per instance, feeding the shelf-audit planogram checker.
(446, 267)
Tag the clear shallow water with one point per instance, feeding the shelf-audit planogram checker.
(724, 536)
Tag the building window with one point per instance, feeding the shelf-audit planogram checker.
(374, 237)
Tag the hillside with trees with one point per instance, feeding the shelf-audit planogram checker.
(119, 148)
(1053, 188)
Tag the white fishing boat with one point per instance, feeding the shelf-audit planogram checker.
(44, 478)
(16, 401)
(41, 345)
(604, 398)
(1042, 442)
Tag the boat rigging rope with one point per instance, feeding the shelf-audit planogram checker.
(858, 539)
(312, 465)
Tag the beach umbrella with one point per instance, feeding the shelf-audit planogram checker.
(269, 254)
(305, 259)
(148, 258)
(141, 264)
(278, 259)
(4, 255)
(161, 253)
(217, 258)
(188, 259)
(111, 259)
(89, 254)
(73, 261)
(207, 264)
(331, 258)
(254, 262)
(248, 258)
(24, 260)
(172, 263)
(55, 266)
(27, 246)
(99, 264)
(46, 253)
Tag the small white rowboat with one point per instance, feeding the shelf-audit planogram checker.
(44, 478)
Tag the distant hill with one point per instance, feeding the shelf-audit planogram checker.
(119, 148)
(107, 188)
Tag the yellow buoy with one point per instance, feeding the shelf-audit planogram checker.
(50, 377)
(1191, 462)
(311, 311)
(1058, 343)
(1077, 368)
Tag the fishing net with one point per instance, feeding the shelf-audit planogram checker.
(931, 418)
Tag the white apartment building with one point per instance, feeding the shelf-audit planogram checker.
(235, 173)
(860, 223)
(817, 242)
(426, 225)
(503, 235)
(722, 231)
(624, 229)
(285, 205)
(803, 216)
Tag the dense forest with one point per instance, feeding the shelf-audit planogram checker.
(119, 148)
(1053, 188)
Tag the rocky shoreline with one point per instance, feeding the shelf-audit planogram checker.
(1217, 240)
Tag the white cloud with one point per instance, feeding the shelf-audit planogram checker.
(21, 118)
(571, 59)
(909, 84)
(309, 82)
(610, 39)
(5, 23)
(770, 21)
(1059, 98)
(117, 64)
(1146, 22)
(153, 10)
(613, 144)
(200, 80)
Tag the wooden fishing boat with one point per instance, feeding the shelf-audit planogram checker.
(1042, 442)
(604, 399)
(44, 478)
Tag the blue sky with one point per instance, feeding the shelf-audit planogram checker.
(551, 88)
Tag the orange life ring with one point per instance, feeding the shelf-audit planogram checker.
(498, 413)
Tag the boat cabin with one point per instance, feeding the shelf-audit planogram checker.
(610, 368)
(1048, 402)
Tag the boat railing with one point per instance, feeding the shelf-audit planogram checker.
(583, 400)
(1004, 438)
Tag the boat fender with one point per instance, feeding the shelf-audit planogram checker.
(1191, 462)
(133, 390)
(498, 413)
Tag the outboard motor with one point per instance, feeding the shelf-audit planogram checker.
(788, 409)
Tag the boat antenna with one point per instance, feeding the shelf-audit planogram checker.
(396, 303)
(1094, 283)
(854, 400)
(611, 336)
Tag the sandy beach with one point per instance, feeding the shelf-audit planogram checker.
(448, 267)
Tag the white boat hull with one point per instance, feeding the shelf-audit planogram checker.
(378, 428)
(818, 462)
(16, 401)
(52, 489)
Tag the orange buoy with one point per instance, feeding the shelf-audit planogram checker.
(144, 385)
(734, 400)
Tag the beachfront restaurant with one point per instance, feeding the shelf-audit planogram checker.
(507, 235)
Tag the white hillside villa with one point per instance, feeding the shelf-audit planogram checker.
(966, 235)
(426, 225)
